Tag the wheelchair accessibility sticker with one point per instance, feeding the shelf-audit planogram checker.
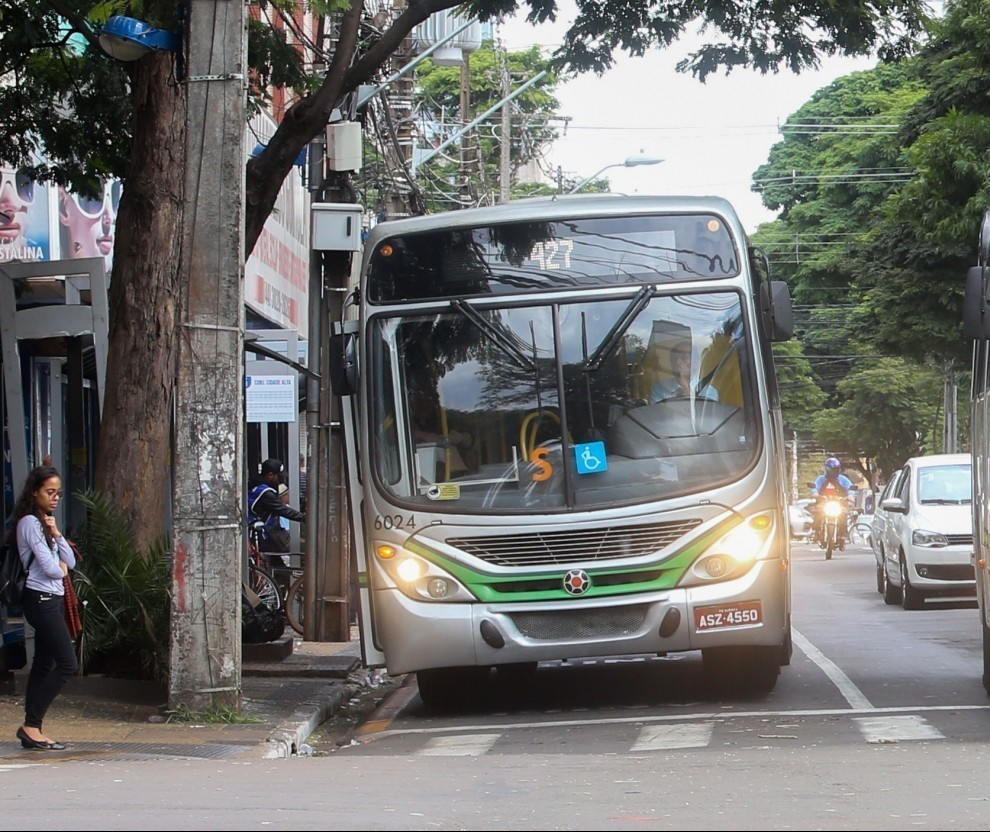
(590, 458)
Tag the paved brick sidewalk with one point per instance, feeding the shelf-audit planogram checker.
(119, 719)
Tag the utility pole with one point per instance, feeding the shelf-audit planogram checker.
(399, 104)
(795, 491)
(208, 523)
(466, 195)
(505, 157)
(950, 428)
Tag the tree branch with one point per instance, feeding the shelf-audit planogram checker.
(79, 23)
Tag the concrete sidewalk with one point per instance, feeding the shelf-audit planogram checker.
(290, 691)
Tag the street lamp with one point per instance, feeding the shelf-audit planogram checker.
(127, 39)
(631, 162)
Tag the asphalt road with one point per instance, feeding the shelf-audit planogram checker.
(880, 722)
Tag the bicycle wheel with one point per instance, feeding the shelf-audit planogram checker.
(265, 587)
(295, 605)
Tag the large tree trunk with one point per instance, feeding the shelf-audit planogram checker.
(132, 465)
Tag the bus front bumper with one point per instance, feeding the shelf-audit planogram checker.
(750, 610)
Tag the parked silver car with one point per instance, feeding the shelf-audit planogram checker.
(928, 540)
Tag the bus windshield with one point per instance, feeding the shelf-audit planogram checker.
(559, 405)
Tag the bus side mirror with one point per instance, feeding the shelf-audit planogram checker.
(343, 369)
(976, 314)
(776, 311)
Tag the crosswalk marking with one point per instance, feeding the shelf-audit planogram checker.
(663, 737)
(897, 728)
(463, 745)
(667, 736)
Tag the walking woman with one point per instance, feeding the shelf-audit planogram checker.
(47, 557)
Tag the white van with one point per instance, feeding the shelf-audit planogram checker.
(928, 539)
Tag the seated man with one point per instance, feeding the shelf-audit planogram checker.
(680, 385)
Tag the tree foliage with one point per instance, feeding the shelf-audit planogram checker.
(96, 118)
(440, 117)
(890, 411)
(800, 395)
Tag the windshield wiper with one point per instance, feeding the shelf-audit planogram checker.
(624, 321)
(494, 333)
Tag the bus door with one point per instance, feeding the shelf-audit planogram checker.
(371, 654)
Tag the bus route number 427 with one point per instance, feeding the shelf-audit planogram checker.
(728, 615)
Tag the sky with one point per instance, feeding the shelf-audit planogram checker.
(711, 136)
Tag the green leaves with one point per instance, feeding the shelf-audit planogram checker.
(127, 596)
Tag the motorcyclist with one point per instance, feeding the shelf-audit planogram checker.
(832, 482)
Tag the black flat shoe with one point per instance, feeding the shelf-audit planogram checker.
(40, 745)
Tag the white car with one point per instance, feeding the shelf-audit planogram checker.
(801, 520)
(928, 540)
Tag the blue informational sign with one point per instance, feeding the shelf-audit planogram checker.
(590, 457)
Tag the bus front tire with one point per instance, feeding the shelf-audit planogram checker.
(452, 688)
(742, 671)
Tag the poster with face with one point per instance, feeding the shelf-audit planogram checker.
(23, 217)
(87, 225)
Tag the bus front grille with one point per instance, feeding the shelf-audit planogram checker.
(580, 625)
(566, 547)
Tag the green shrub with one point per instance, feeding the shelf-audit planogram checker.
(125, 596)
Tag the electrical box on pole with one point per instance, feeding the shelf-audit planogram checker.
(336, 226)
(344, 146)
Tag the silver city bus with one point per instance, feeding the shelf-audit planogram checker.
(563, 440)
(976, 326)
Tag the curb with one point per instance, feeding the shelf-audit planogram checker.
(289, 737)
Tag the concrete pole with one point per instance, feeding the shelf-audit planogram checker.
(505, 157)
(207, 491)
(951, 428)
(466, 154)
(315, 464)
(795, 490)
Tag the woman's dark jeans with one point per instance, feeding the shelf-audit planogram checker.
(54, 655)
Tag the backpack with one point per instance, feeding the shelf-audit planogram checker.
(260, 623)
(13, 575)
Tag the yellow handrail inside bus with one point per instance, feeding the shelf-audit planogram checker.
(532, 423)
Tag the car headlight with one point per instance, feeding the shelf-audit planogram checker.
(933, 540)
(418, 578)
(734, 553)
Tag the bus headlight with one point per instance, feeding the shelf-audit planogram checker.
(409, 569)
(418, 578)
(734, 553)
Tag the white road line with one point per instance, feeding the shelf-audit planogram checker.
(644, 719)
(464, 745)
(853, 695)
(897, 728)
(664, 737)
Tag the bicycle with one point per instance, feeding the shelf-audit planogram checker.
(295, 603)
(288, 596)
(260, 576)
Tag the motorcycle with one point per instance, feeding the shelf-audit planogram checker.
(831, 535)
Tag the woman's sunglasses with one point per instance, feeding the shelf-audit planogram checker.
(21, 181)
(92, 207)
